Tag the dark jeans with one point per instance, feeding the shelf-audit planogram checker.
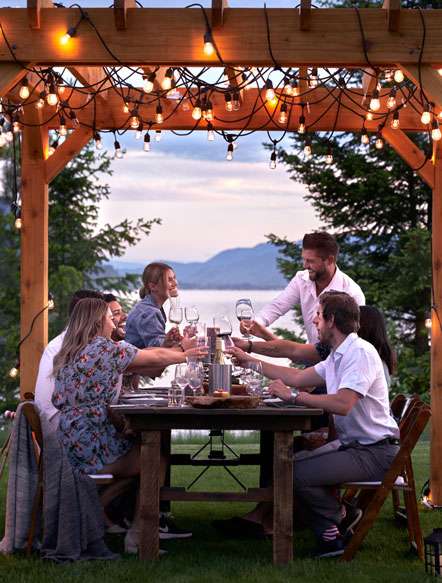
(316, 478)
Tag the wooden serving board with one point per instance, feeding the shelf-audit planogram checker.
(232, 402)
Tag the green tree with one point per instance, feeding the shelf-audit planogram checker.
(77, 248)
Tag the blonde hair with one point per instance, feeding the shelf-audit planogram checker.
(85, 323)
(153, 273)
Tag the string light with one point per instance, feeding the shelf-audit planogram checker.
(308, 148)
(398, 76)
(426, 115)
(210, 133)
(229, 155)
(379, 143)
(375, 103)
(283, 114)
(13, 372)
(52, 97)
(146, 146)
(98, 142)
(228, 102)
(118, 152)
(236, 101)
(209, 111)
(53, 147)
(62, 129)
(301, 127)
(287, 87)
(272, 164)
(41, 100)
(70, 33)
(208, 48)
(395, 121)
(166, 83)
(24, 89)
(391, 100)
(313, 80)
(18, 223)
(134, 120)
(435, 131)
(148, 82)
(270, 92)
(139, 131)
(159, 114)
(329, 156)
(51, 302)
(369, 116)
(15, 126)
(158, 135)
(196, 112)
(365, 138)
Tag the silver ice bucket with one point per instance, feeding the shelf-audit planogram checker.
(220, 377)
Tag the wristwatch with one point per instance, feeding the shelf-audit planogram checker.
(293, 396)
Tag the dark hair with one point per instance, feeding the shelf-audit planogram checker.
(152, 274)
(324, 243)
(81, 294)
(343, 308)
(373, 330)
(108, 298)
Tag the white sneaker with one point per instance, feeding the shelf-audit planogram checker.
(131, 543)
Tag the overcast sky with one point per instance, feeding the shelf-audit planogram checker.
(206, 203)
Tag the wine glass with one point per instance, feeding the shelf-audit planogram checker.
(176, 315)
(253, 378)
(182, 380)
(244, 312)
(223, 325)
(192, 316)
(195, 374)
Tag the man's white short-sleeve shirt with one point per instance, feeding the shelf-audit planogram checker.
(356, 365)
(302, 291)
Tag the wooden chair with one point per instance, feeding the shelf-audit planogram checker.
(30, 411)
(399, 477)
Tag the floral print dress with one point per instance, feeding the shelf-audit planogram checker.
(83, 390)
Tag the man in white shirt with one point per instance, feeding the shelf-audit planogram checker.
(357, 396)
(44, 386)
(320, 274)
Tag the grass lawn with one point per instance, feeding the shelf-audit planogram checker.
(209, 557)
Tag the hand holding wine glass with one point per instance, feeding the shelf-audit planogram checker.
(245, 314)
(176, 315)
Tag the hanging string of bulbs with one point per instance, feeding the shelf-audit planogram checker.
(281, 93)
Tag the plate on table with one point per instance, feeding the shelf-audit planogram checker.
(231, 402)
(144, 400)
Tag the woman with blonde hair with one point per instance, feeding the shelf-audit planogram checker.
(146, 322)
(86, 372)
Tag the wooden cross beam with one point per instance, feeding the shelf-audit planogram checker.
(120, 12)
(393, 8)
(70, 148)
(431, 81)
(305, 10)
(218, 7)
(34, 11)
(10, 75)
(175, 36)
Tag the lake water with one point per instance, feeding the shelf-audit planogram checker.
(222, 302)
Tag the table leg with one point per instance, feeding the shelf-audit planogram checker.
(149, 494)
(266, 453)
(165, 505)
(283, 497)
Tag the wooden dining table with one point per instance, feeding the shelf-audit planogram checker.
(276, 425)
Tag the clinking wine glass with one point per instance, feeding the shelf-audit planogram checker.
(176, 315)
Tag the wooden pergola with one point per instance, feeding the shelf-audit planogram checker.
(374, 40)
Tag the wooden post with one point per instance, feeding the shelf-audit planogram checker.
(34, 251)
(436, 337)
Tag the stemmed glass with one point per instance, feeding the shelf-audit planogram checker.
(244, 312)
(224, 327)
(182, 380)
(192, 317)
(176, 315)
(252, 377)
(195, 375)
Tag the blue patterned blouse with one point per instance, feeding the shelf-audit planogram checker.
(83, 390)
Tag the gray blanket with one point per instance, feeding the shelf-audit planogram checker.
(73, 526)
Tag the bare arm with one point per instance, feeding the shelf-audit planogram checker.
(296, 351)
(149, 358)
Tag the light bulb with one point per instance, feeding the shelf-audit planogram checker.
(158, 135)
(13, 372)
(229, 155)
(435, 132)
(134, 121)
(365, 138)
(228, 100)
(208, 48)
(270, 92)
(308, 150)
(329, 157)
(287, 87)
(369, 116)
(209, 111)
(186, 105)
(118, 153)
(159, 114)
(62, 129)
(98, 142)
(52, 97)
(210, 134)
(272, 164)
(379, 143)
(395, 121)
(283, 114)
(61, 89)
(295, 91)
(391, 101)
(15, 126)
(41, 101)
(24, 89)
(313, 80)
(426, 116)
(18, 223)
(51, 304)
(148, 82)
(126, 108)
(196, 112)
(236, 101)
(375, 103)
(398, 76)
(166, 83)
(440, 72)
(146, 146)
(428, 323)
(301, 128)
(64, 40)
(51, 150)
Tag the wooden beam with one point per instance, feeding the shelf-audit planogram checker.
(431, 81)
(72, 146)
(10, 75)
(436, 336)
(369, 82)
(34, 7)
(34, 250)
(409, 152)
(218, 7)
(174, 35)
(393, 8)
(120, 12)
(305, 10)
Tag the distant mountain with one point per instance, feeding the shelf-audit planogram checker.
(239, 268)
